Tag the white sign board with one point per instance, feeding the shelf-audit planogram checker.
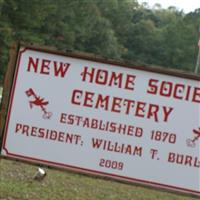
(98, 118)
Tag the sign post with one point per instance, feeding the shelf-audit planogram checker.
(136, 124)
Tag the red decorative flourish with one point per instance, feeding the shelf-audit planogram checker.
(37, 101)
(192, 142)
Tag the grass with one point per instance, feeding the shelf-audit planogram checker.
(16, 183)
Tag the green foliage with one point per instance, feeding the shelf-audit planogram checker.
(111, 28)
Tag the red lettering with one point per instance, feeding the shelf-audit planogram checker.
(179, 88)
(25, 130)
(61, 69)
(166, 89)
(34, 131)
(171, 157)
(138, 132)
(63, 118)
(128, 103)
(33, 63)
(41, 132)
(130, 130)
(122, 128)
(45, 67)
(53, 135)
(77, 138)
(153, 112)
(116, 105)
(174, 90)
(18, 127)
(166, 112)
(70, 119)
(188, 160)
(76, 95)
(153, 87)
(61, 137)
(182, 159)
(88, 100)
(196, 95)
(101, 77)
(154, 152)
(116, 79)
(102, 102)
(86, 73)
(140, 111)
(105, 77)
(130, 81)
(187, 96)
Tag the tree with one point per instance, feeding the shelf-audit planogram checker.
(120, 29)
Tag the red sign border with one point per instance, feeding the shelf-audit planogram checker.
(75, 168)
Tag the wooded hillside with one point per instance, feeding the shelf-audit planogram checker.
(119, 29)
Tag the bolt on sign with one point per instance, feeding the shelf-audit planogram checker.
(96, 116)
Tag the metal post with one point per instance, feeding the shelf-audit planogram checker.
(198, 57)
(198, 61)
